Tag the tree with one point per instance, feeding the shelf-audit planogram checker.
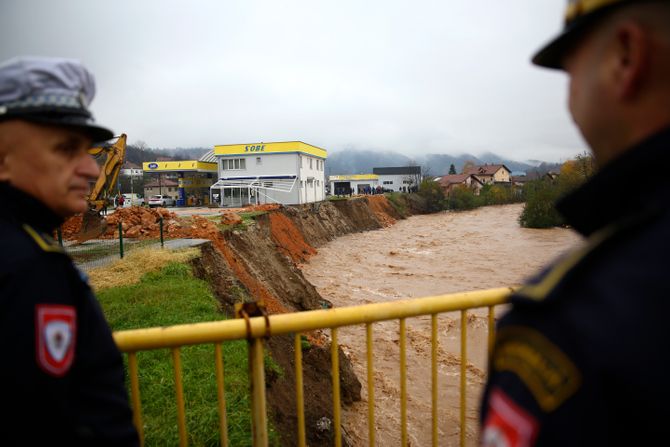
(452, 169)
(413, 180)
(434, 195)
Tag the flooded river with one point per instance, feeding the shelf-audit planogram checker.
(422, 256)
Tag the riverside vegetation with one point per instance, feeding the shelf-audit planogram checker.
(540, 196)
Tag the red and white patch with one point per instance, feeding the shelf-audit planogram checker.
(56, 327)
(507, 424)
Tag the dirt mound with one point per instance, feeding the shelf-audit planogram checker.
(139, 222)
(289, 239)
(230, 218)
(264, 207)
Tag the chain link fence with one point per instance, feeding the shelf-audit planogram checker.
(100, 252)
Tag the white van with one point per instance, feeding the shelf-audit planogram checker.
(132, 200)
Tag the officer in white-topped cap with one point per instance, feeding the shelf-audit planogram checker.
(581, 358)
(62, 375)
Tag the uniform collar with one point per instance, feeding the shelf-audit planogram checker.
(630, 185)
(22, 208)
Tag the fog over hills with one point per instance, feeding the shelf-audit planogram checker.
(354, 161)
(359, 161)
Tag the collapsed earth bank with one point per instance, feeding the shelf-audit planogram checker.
(262, 262)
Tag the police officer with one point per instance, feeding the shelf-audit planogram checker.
(582, 356)
(62, 376)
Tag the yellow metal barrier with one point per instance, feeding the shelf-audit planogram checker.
(256, 328)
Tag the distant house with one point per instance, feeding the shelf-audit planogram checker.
(162, 186)
(130, 169)
(520, 180)
(449, 182)
(401, 178)
(489, 174)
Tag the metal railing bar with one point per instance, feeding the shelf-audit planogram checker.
(403, 382)
(179, 392)
(464, 365)
(212, 332)
(135, 395)
(371, 386)
(433, 375)
(259, 426)
(299, 396)
(221, 394)
(335, 364)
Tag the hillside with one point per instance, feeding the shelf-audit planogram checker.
(353, 161)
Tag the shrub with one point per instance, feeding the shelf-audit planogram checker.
(462, 198)
(433, 194)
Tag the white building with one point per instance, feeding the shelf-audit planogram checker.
(352, 184)
(288, 173)
(402, 178)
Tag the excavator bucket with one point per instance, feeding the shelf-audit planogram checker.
(92, 226)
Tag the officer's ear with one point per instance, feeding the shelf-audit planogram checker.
(629, 59)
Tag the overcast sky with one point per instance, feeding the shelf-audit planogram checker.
(449, 76)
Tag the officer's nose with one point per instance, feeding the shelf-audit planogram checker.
(87, 166)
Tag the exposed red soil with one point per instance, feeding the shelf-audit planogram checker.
(382, 209)
(289, 239)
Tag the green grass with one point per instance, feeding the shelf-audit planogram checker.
(173, 296)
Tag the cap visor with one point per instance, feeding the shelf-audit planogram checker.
(551, 55)
(96, 133)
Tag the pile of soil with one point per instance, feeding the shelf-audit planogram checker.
(140, 222)
(136, 222)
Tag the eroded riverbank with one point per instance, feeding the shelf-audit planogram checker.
(420, 256)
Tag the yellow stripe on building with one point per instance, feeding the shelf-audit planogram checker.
(183, 165)
(270, 148)
(337, 178)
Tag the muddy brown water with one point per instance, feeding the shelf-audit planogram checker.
(422, 256)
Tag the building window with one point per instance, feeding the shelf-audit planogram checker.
(310, 163)
(268, 184)
(387, 182)
(258, 160)
(233, 164)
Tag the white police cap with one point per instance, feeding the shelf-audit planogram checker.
(51, 91)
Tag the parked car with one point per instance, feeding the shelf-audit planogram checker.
(160, 200)
(132, 200)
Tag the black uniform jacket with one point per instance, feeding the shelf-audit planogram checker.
(62, 376)
(582, 356)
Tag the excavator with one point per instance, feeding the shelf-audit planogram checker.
(93, 224)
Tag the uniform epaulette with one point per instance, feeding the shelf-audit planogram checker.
(43, 240)
(540, 290)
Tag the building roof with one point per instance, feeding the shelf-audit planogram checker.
(400, 170)
(131, 165)
(209, 157)
(455, 179)
(486, 169)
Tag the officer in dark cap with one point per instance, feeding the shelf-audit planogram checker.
(62, 375)
(581, 359)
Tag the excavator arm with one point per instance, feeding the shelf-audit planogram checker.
(93, 224)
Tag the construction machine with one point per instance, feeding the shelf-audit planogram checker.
(93, 224)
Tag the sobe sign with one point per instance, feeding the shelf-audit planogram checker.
(153, 165)
(255, 148)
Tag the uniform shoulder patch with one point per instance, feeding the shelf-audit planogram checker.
(549, 374)
(507, 424)
(56, 330)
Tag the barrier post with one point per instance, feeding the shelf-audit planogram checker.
(120, 240)
(160, 224)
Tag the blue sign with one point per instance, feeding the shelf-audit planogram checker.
(153, 165)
